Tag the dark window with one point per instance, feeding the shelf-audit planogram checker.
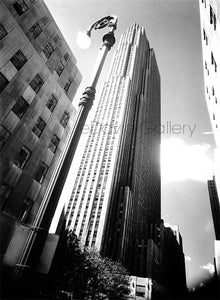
(67, 86)
(3, 32)
(211, 15)
(45, 20)
(59, 68)
(4, 136)
(51, 103)
(54, 143)
(22, 157)
(48, 50)
(35, 30)
(213, 91)
(214, 21)
(41, 172)
(3, 82)
(25, 209)
(18, 60)
(5, 191)
(65, 118)
(213, 116)
(66, 56)
(20, 6)
(56, 39)
(39, 126)
(212, 58)
(36, 83)
(20, 107)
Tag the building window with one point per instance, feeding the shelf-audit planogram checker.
(25, 209)
(3, 82)
(35, 30)
(212, 17)
(20, 6)
(20, 107)
(213, 91)
(41, 172)
(54, 143)
(66, 56)
(3, 32)
(65, 118)
(59, 68)
(5, 192)
(67, 86)
(48, 50)
(45, 20)
(22, 157)
(4, 136)
(56, 39)
(51, 103)
(214, 21)
(36, 83)
(213, 116)
(213, 62)
(18, 60)
(212, 58)
(39, 127)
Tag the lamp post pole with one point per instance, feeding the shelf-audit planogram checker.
(40, 227)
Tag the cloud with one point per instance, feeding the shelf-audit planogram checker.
(188, 258)
(209, 267)
(181, 162)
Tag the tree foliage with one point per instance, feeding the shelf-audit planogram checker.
(87, 275)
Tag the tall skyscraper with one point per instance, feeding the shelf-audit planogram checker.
(38, 80)
(116, 194)
(210, 33)
(115, 204)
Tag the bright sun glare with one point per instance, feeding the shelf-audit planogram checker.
(180, 162)
(83, 41)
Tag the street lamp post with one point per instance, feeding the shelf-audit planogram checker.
(40, 227)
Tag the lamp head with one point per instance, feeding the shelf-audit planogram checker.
(83, 40)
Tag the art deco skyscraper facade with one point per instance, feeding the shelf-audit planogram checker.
(116, 194)
(38, 80)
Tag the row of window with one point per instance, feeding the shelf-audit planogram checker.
(18, 60)
(212, 15)
(22, 158)
(37, 129)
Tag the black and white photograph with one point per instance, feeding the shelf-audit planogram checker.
(110, 149)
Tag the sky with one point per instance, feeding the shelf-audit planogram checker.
(173, 30)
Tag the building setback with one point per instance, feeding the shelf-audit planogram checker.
(38, 80)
